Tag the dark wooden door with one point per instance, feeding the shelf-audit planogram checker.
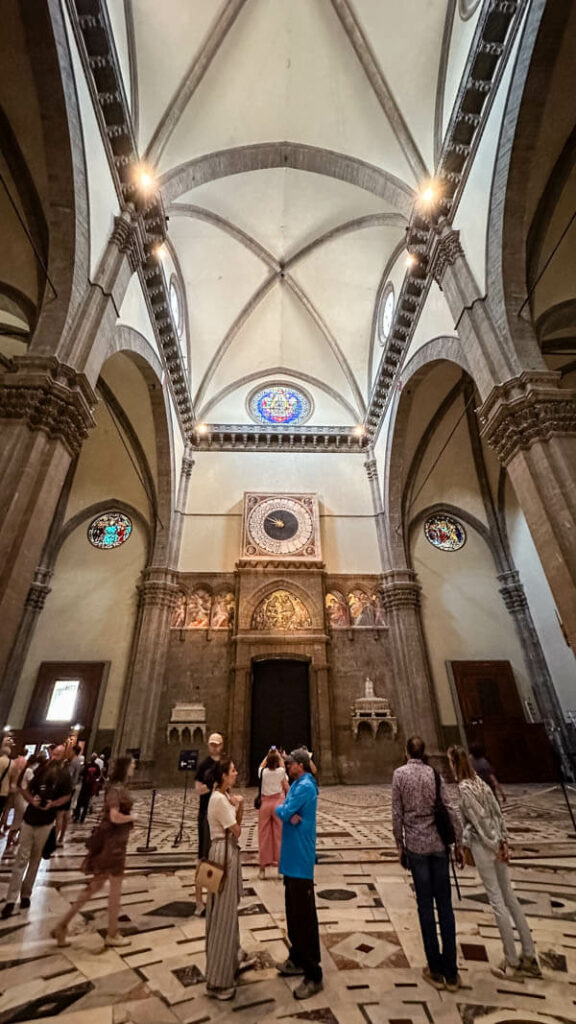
(494, 718)
(280, 708)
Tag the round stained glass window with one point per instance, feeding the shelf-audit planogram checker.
(445, 532)
(109, 530)
(280, 405)
(386, 313)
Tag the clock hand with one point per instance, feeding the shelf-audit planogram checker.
(275, 521)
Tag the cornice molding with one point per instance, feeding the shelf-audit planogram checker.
(493, 39)
(526, 410)
(241, 437)
(141, 226)
(158, 588)
(399, 588)
(48, 396)
(512, 590)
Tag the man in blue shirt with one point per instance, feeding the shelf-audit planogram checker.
(297, 859)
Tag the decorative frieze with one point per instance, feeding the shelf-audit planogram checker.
(158, 588)
(39, 589)
(129, 235)
(512, 591)
(400, 589)
(49, 396)
(526, 410)
(447, 249)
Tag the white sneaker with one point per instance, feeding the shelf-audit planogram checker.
(117, 940)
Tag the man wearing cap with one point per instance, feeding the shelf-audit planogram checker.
(297, 858)
(204, 783)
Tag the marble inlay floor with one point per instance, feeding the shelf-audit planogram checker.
(371, 948)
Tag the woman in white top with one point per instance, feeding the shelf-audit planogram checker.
(273, 786)
(223, 953)
(485, 835)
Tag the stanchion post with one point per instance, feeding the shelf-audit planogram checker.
(180, 833)
(147, 848)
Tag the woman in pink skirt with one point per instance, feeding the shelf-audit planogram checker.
(274, 784)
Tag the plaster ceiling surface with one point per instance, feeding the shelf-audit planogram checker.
(289, 138)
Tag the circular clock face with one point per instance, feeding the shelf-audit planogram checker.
(281, 526)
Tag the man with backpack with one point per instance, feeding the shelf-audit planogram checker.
(48, 789)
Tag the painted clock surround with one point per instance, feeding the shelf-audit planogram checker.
(281, 526)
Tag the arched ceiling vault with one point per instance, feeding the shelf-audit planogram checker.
(289, 140)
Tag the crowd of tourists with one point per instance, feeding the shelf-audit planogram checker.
(430, 833)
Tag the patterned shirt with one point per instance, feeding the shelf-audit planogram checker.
(413, 798)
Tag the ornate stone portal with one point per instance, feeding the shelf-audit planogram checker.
(373, 710)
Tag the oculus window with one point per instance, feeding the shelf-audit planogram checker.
(63, 700)
(386, 316)
(445, 532)
(109, 530)
(175, 300)
(280, 405)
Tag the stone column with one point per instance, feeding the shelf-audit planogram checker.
(139, 724)
(371, 467)
(547, 702)
(46, 403)
(325, 722)
(530, 422)
(180, 510)
(45, 414)
(34, 604)
(417, 711)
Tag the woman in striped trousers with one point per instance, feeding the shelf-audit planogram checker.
(223, 952)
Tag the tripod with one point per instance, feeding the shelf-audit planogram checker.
(180, 833)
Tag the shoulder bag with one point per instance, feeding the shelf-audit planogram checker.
(210, 875)
(442, 818)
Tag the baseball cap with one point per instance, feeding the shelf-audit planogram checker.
(300, 756)
(215, 737)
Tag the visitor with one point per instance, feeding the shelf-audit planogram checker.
(486, 837)
(223, 953)
(203, 786)
(484, 769)
(16, 801)
(48, 789)
(419, 844)
(5, 761)
(106, 859)
(297, 858)
(273, 787)
(88, 786)
(71, 759)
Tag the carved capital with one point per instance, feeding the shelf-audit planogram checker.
(129, 235)
(526, 410)
(39, 590)
(512, 591)
(48, 396)
(158, 588)
(400, 589)
(371, 467)
(446, 250)
(187, 466)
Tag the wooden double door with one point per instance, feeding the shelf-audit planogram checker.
(280, 707)
(493, 716)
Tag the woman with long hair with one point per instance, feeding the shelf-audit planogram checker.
(106, 858)
(273, 787)
(486, 837)
(223, 954)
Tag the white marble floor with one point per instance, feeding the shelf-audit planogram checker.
(372, 952)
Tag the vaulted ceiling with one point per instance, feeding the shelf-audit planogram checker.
(289, 138)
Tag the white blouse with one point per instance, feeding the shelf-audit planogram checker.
(221, 814)
(272, 779)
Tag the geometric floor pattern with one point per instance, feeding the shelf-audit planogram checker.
(371, 949)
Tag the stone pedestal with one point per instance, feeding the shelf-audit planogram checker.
(45, 414)
(530, 422)
(139, 723)
(416, 711)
